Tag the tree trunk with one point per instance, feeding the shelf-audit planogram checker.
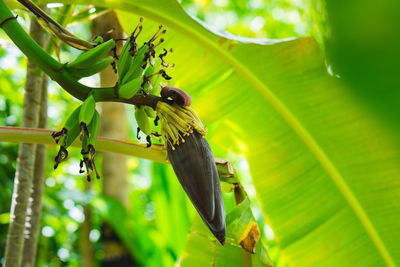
(26, 158)
(113, 124)
(35, 205)
(86, 246)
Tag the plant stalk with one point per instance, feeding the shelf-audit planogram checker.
(35, 207)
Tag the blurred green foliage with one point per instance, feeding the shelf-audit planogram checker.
(274, 19)
(362, 46)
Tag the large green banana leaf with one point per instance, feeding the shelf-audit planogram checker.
(325, 167)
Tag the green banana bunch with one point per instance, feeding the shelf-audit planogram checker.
(129, 51)
(150, 76)
(85, 120)
(86, 113)
(88, 151)
(133, 60)
(91, 61)
(67, 135)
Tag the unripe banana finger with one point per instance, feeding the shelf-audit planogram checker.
(72, 119)
(124, 60)
(90, 57)
(147, 81)
(143, 120)
(93, 128)
(129, 89)
(71, 135)
(135, 65)
(87, 111)
(156, 87)
(89, 71)
(150, 112)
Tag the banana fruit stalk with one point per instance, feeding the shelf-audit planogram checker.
(193, 162)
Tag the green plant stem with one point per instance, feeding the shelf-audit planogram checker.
(56, 70)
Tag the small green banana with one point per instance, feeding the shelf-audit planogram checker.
(67, 135)
(103, 63)
(129, 50)
(143, 120)
(90, 57)
(148, 78)
(150, 112)
(124, 60)
(72, 135)
(87, 111)
(94, 128)
(154, 80)
(129, 89)
(88, 151)
(73, 119)
(135, 66)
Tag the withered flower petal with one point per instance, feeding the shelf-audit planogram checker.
(179, 96)
(61, 156)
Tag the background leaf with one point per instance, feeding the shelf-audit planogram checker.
(312, 148)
